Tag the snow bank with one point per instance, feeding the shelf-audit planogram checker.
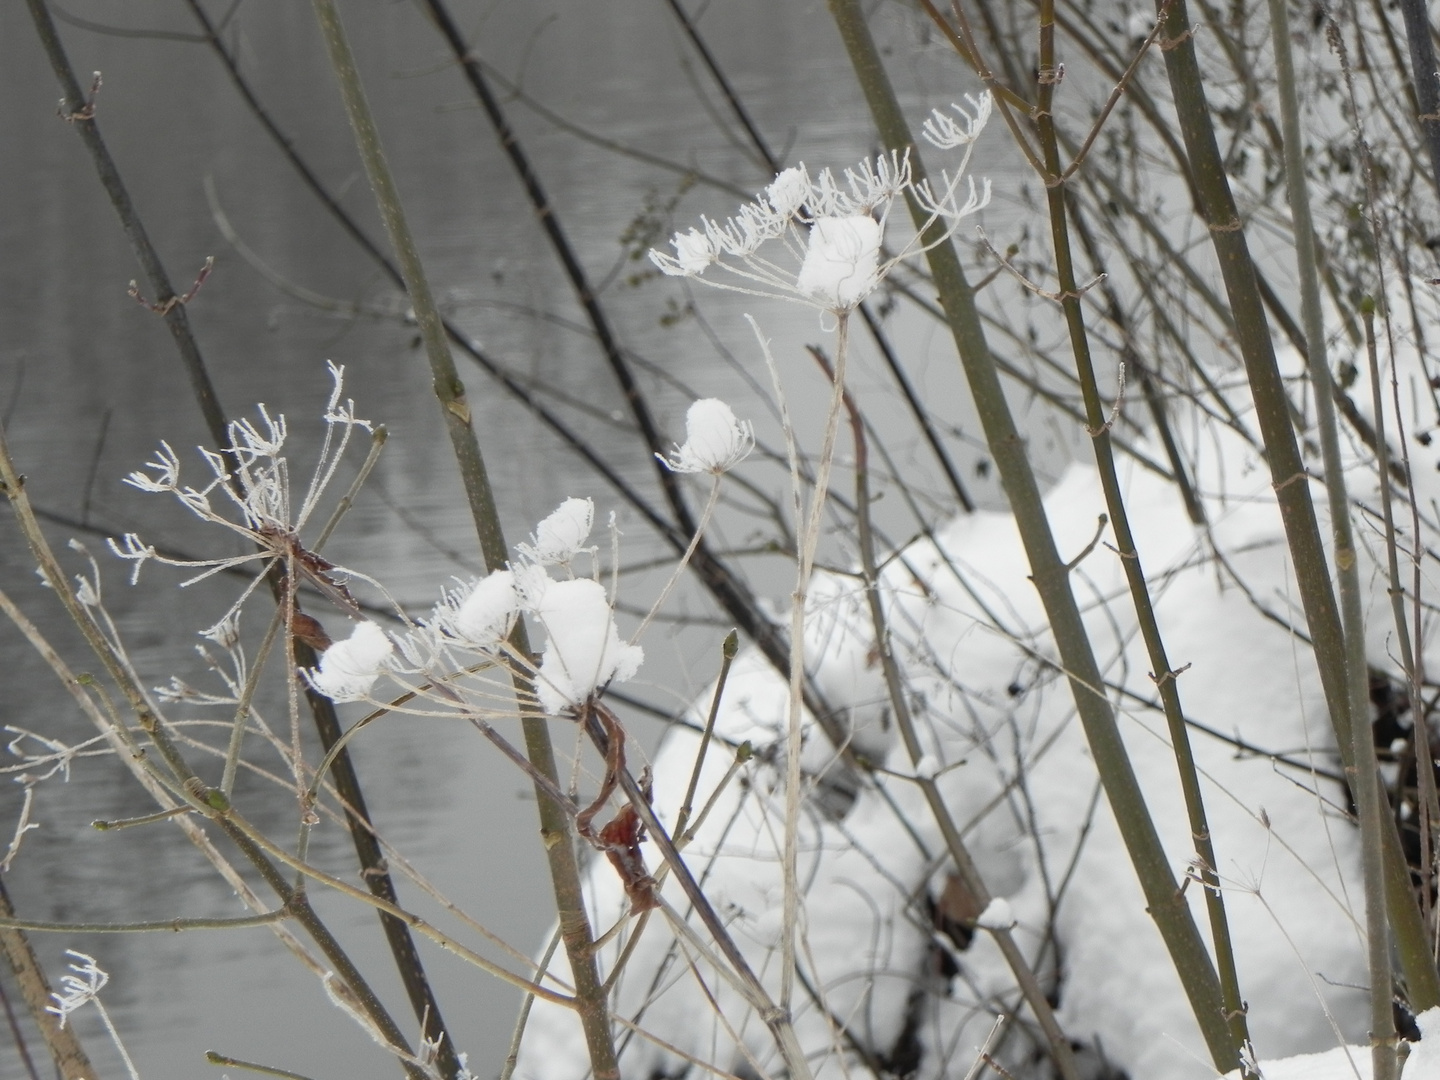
(1001, 740)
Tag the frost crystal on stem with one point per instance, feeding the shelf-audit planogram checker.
(945, 132)
(715, 441)
(80, 987)
(833, 227)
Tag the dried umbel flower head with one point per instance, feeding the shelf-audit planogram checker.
(715, 441)
(583, 651)
(833, 227)
(250, 478)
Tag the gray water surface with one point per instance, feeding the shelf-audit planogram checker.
(90, 381)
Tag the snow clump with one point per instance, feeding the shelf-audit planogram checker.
(584, 652)
(997, 915)
(560, 537)
(842, 261)
(349, 668)
(715, 441)
(486, 615)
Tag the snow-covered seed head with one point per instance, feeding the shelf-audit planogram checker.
(715, 441)
(842, 261)
(584, 651)
(845, 216)
(789, 191)
(349, 668)
(532, 582)
(559, 537)
(486, 615)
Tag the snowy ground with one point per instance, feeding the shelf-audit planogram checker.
(1015, 769)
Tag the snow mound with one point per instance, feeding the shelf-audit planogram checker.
(893, 970)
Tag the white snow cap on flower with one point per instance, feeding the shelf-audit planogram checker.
(487, 613)
(532, 581)
(559, 536)
(349, 668)
(789, 190)
(842, 261)
(997, 915)
(584, 651)
(715, 441)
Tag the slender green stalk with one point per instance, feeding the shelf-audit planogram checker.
(1287, 468)
(1368, 791)
(687, 804)
(216, 1058)
(1049, 572)
(1098, 427)
(450, 392)
(1412, 661)
(173, 926)
(1134, 362)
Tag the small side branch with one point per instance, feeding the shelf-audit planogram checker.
(164, 307)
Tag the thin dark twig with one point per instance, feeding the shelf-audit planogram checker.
(1427, 79)
(79, 109)
(121, 31)
(732, 98)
